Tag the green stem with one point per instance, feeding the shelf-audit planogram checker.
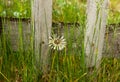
(57, 67)
(4, 77)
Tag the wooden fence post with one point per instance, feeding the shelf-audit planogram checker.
(42, 20)
(95, 31)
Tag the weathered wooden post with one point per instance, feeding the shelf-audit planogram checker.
(42, 20)
(95, 30)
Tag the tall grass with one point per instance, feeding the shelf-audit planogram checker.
(67, 65)
(16, 64)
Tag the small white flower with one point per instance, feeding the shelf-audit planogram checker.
(16, 14)
(4, 13)
(57, 42)
(25, 12)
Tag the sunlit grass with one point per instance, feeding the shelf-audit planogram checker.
(67, 65)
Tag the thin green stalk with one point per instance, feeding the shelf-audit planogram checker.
(4, 76)
(57, 58)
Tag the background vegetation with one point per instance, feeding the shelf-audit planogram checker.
(67, 65)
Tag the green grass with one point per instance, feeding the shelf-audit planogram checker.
(65, 66)
(15, 8)
(14, 64)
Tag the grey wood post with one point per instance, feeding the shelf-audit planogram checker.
(95, 31)
(42, 21)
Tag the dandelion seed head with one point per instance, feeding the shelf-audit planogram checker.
(57, 42)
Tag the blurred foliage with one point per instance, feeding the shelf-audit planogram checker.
(68, 10)
(15, 8)
(114, 12)
(115, 5)
(63, 10)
